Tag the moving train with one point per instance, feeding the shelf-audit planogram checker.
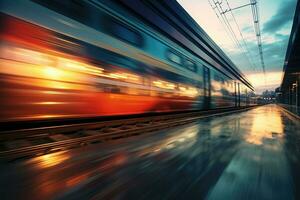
(91, 58)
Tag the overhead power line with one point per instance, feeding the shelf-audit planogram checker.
(220, 12)
(255, 14)
(220, 18)
(240, 32)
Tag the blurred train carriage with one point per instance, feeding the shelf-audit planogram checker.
(85, 58)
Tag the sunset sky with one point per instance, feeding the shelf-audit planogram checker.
(276, 17)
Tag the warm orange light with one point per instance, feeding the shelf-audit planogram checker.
(64, 70)
(124, 77)
(164, 84)
(264, 126)
(50, 103)
(50, 160)
(52, 72)
(188, 91)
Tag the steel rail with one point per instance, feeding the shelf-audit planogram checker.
(100, 132)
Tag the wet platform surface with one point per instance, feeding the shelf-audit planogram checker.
(248, 155)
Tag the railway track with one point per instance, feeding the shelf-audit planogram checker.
(37, 141)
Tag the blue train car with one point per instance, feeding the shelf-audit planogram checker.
(90, 58)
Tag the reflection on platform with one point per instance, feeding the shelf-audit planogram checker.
(265, 126)
(259, 168)
(252, 155)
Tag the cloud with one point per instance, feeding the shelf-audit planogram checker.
(262, 82)
(281, 36)
(274, 53)
(276, 21)
(283, 15)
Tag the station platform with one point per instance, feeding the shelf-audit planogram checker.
(253, 154)
(294, 110)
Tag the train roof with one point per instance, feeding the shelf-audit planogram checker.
(170, 18)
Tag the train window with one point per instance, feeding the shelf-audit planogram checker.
(190, 65)
(174, 57)
(123, 32)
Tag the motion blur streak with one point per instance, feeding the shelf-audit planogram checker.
(49, 71)
(50, 160)
(209, 159)
(76, 59)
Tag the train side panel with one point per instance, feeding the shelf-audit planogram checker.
(56, 63)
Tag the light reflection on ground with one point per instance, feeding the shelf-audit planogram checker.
(265, 125)
(251, 155)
